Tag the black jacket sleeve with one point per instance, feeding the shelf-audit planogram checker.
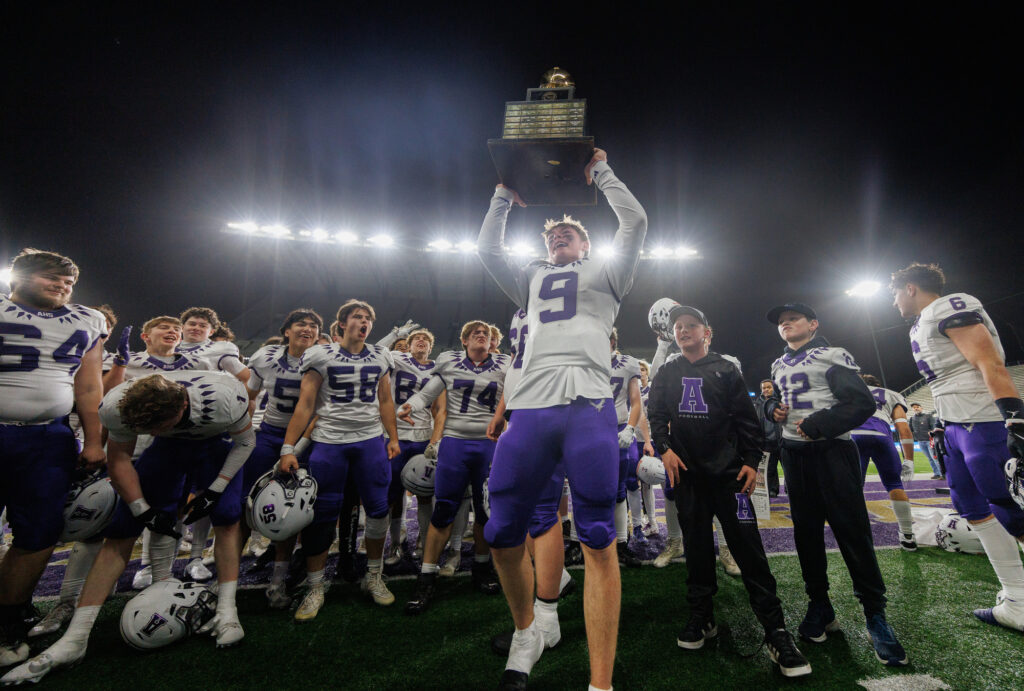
(658, 412)
(855, 405)
(749, 433)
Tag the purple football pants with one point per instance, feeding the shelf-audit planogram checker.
(880, 450)
(974, 469)
(461, 463)
(582, 437)
(330, 465)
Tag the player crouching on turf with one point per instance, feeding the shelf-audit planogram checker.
(188, 414)
(823, 400)
(705, 427)
(348, 386)
(472, 379)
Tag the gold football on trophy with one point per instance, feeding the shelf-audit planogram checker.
(556, 78)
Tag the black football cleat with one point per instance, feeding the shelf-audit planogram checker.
(626, 558)
(423, 595)
(511, 680)
(485, 579)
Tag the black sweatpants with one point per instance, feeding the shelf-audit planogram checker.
(774, 452)
(698, 498)
(824, 483)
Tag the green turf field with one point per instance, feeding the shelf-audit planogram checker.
(921, 465)
(356, 645)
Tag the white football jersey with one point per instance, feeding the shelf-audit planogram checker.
(108, 360)
(214, 352)
(411, 376)
(40, 352)
(958, 388)
(518, 332)
(144, 364)
(218, 404)
(645, 392)
(473, 392)
(803, 385)
(276, 373)
(625, 368)
(570, 309)
(881, 421)
(347, 405)
(259, 408)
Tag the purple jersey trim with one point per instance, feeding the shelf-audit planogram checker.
(959, 319)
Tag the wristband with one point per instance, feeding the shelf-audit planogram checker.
(138, 507)
(288, 450)
(1011, 408)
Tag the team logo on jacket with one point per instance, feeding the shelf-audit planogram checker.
(692, 400)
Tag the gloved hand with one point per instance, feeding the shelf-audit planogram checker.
(626, 436)
(201, 505)
(403, 331)
(159, 522)
(431, 451)
(123, 352)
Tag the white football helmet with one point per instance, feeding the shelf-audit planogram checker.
(652, 471)
(281, 504)
(89, 508)
(657, 317)
(954, 534)
(1014, 470)
(418, 476)
(166, 612)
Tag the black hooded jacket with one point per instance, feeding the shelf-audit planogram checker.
(703, 412)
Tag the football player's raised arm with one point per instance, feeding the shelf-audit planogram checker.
(440, 412)
(660, 355)
(88, 389)
(621, 267)
(121, 471)
(975, 343)
(490, 247)
(425, 397)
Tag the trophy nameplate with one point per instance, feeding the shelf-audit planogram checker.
(543, 148)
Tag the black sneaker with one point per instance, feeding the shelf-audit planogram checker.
(908, 542)
(820, 618)
(423, 595)
(697, 630)
(264, 560)
(887, 648)
(574, 554)
(485, 579)
(512, 680)
(783, 652)
(626, 558)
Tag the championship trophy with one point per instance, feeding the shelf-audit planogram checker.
(543, 151)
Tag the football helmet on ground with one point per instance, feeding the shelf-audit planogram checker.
(954, 534)
(166, 612)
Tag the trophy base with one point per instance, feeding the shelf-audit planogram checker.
(545, 172)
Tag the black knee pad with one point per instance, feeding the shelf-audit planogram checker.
(317, 538)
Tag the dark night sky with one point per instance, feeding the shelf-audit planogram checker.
(799, 152)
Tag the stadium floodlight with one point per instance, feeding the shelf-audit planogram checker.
(864, 289)
(5, 275)
(606, 251)
(381, 240)
(319, 235)
(520, 249)
(278, 231)
(661, 252)
(346, 237)
(244, 226)
(440, 244)
(685, 252)
(467, 246)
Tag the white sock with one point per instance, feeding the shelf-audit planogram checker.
(162, 550)
(280, 574)
(620, 521)
(315, 577)
(672, 519)
(548, 609)
(423, 511)
(144, 559)
(903, 516)
(429, 568)
(648, 494)
(1002, 553)
(722, 544)
(81, 625)
(522, 663)
(79, 563)
(565, 579)
(374, 565)
(636, 508)
(226, 598)
(200, 533)
(459, 524)
(591, 687)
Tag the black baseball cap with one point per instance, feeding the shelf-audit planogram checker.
(680, 310)
(806, 310)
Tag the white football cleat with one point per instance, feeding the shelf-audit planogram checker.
(228, 630)
(143, 578)
(673, 550)
(548, 626)
(394, 554)
(13, 654)
(60, 654)
(1008, 613)
(373, 583)
(451, 564)
(196, 571)
(311, 604)
(54, 620)
(277, 596)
